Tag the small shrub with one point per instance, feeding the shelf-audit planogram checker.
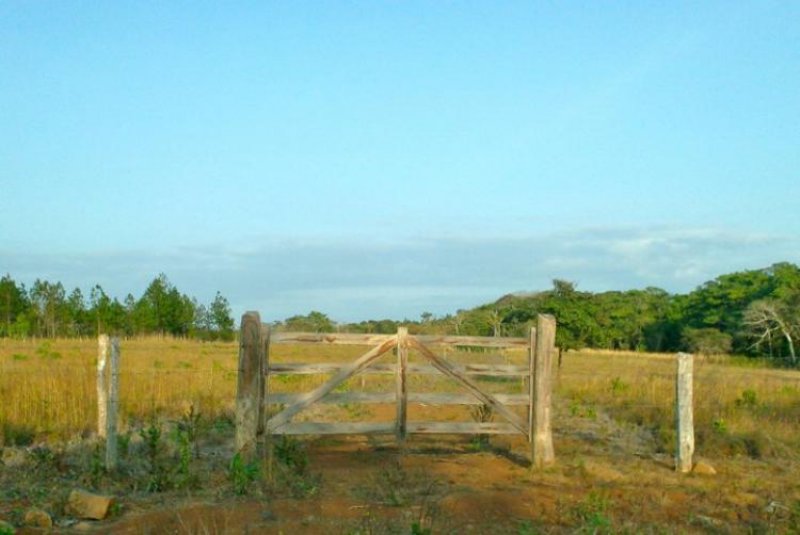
(190, 424)
(158, 474)
(291, 454)
(719, 426)
(19, 357)
(749, 399)
(241, 474)
(46, 352)
(618, 386)
(123, 444)
(592, 514)
(17, 435)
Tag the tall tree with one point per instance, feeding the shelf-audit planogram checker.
(13, 304)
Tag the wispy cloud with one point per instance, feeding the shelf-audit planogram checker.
(352, 280)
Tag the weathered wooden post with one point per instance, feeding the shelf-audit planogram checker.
(250, 385)
(102, 391)
(684, 417)
(402, 385)
(543, 337)
(113, 404)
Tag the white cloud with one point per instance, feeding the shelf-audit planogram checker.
(354, 280)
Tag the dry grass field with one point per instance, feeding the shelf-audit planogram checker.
(613, 433)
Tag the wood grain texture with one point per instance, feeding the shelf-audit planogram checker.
(684, 454)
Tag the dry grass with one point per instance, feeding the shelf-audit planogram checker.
(48, 389)
(737, 410)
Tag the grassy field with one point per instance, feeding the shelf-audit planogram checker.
(48, 388)
(613, 426)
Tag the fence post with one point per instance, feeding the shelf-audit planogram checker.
(542, 452)
(684, 418)
(250, 384)
(113, 404)
(266, 436)
(531, 380)
(402, 385)
(102, 391)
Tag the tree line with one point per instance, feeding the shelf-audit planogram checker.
(47, 310)
(753, 312)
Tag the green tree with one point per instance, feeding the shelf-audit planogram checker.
(707, 341)
(315, 321)
(221, 318)
(13, 305)
(48, 305)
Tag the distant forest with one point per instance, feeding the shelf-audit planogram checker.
(754, 312)
(46, 310)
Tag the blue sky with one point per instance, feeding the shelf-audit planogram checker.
(380, 159)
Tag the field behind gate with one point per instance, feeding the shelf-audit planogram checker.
(613, 435)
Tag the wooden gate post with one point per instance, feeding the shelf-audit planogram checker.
(250, 385)
(102, 392)
(684, 418)
(113, 404)
(542, 453)
(402, 385)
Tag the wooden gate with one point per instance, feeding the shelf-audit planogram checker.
(254, 424)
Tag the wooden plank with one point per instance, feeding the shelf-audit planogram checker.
(542, 453)
(472, 341)
(345, 373)
(402, 386)
(249, 388)
(462, 428)
(448, 369)
(488, 370)
(330, 338)
(335, 428)
(376, 339)
(683, 414)
(339, 398)
(388, 428)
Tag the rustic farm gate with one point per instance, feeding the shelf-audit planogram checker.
(254, 427)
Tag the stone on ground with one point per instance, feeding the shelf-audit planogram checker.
(82, 504)
(703, 468)
(37, 518)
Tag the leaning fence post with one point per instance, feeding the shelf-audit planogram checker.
(542, 441)
(113, 404)
(102, 392)
(684, 418)
(249, 391)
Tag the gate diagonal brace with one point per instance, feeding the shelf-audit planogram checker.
(345, 373)
(446, 368)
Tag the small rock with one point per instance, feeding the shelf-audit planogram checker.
(703, 468)
(83, 526)
(37, 518)
(5, 527)
(14, 457)
(82, 504)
